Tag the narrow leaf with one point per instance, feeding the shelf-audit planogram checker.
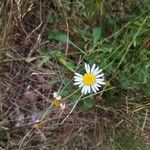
(96, 33)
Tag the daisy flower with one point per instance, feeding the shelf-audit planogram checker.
(91, 80)
(58, 101)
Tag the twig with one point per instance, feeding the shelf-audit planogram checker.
(38, 38)
(74, 106)
(145, 119)
(21, 142)
(67, 26)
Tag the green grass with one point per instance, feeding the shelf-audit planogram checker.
(119, 47)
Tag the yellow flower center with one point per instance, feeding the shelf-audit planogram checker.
(57, 103)
(89, 79)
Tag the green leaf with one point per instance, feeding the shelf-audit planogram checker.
(3, 135)
(42, 61)
(54, 18)
(41, 51)
(49, 55)
(59, 36)
(88, 103)
(96, 33)
(68, 64)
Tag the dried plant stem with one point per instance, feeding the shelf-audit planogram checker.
(74, 106)
(21, 143)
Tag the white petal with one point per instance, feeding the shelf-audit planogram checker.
(63, 106)
(78, 79)
(96, 88)
(77, 83)
(79, 75)
(93, 68)
(87, 68)
(58, 98)
(83, 89)
(75, 77)
(55, 94)
(97, 71)
(81, 85)
(89, 89)
(98, 85)
(93, 89)
(99, 80)
(100, 75)
(86, 90)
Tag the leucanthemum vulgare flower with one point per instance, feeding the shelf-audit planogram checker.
(91, 80)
